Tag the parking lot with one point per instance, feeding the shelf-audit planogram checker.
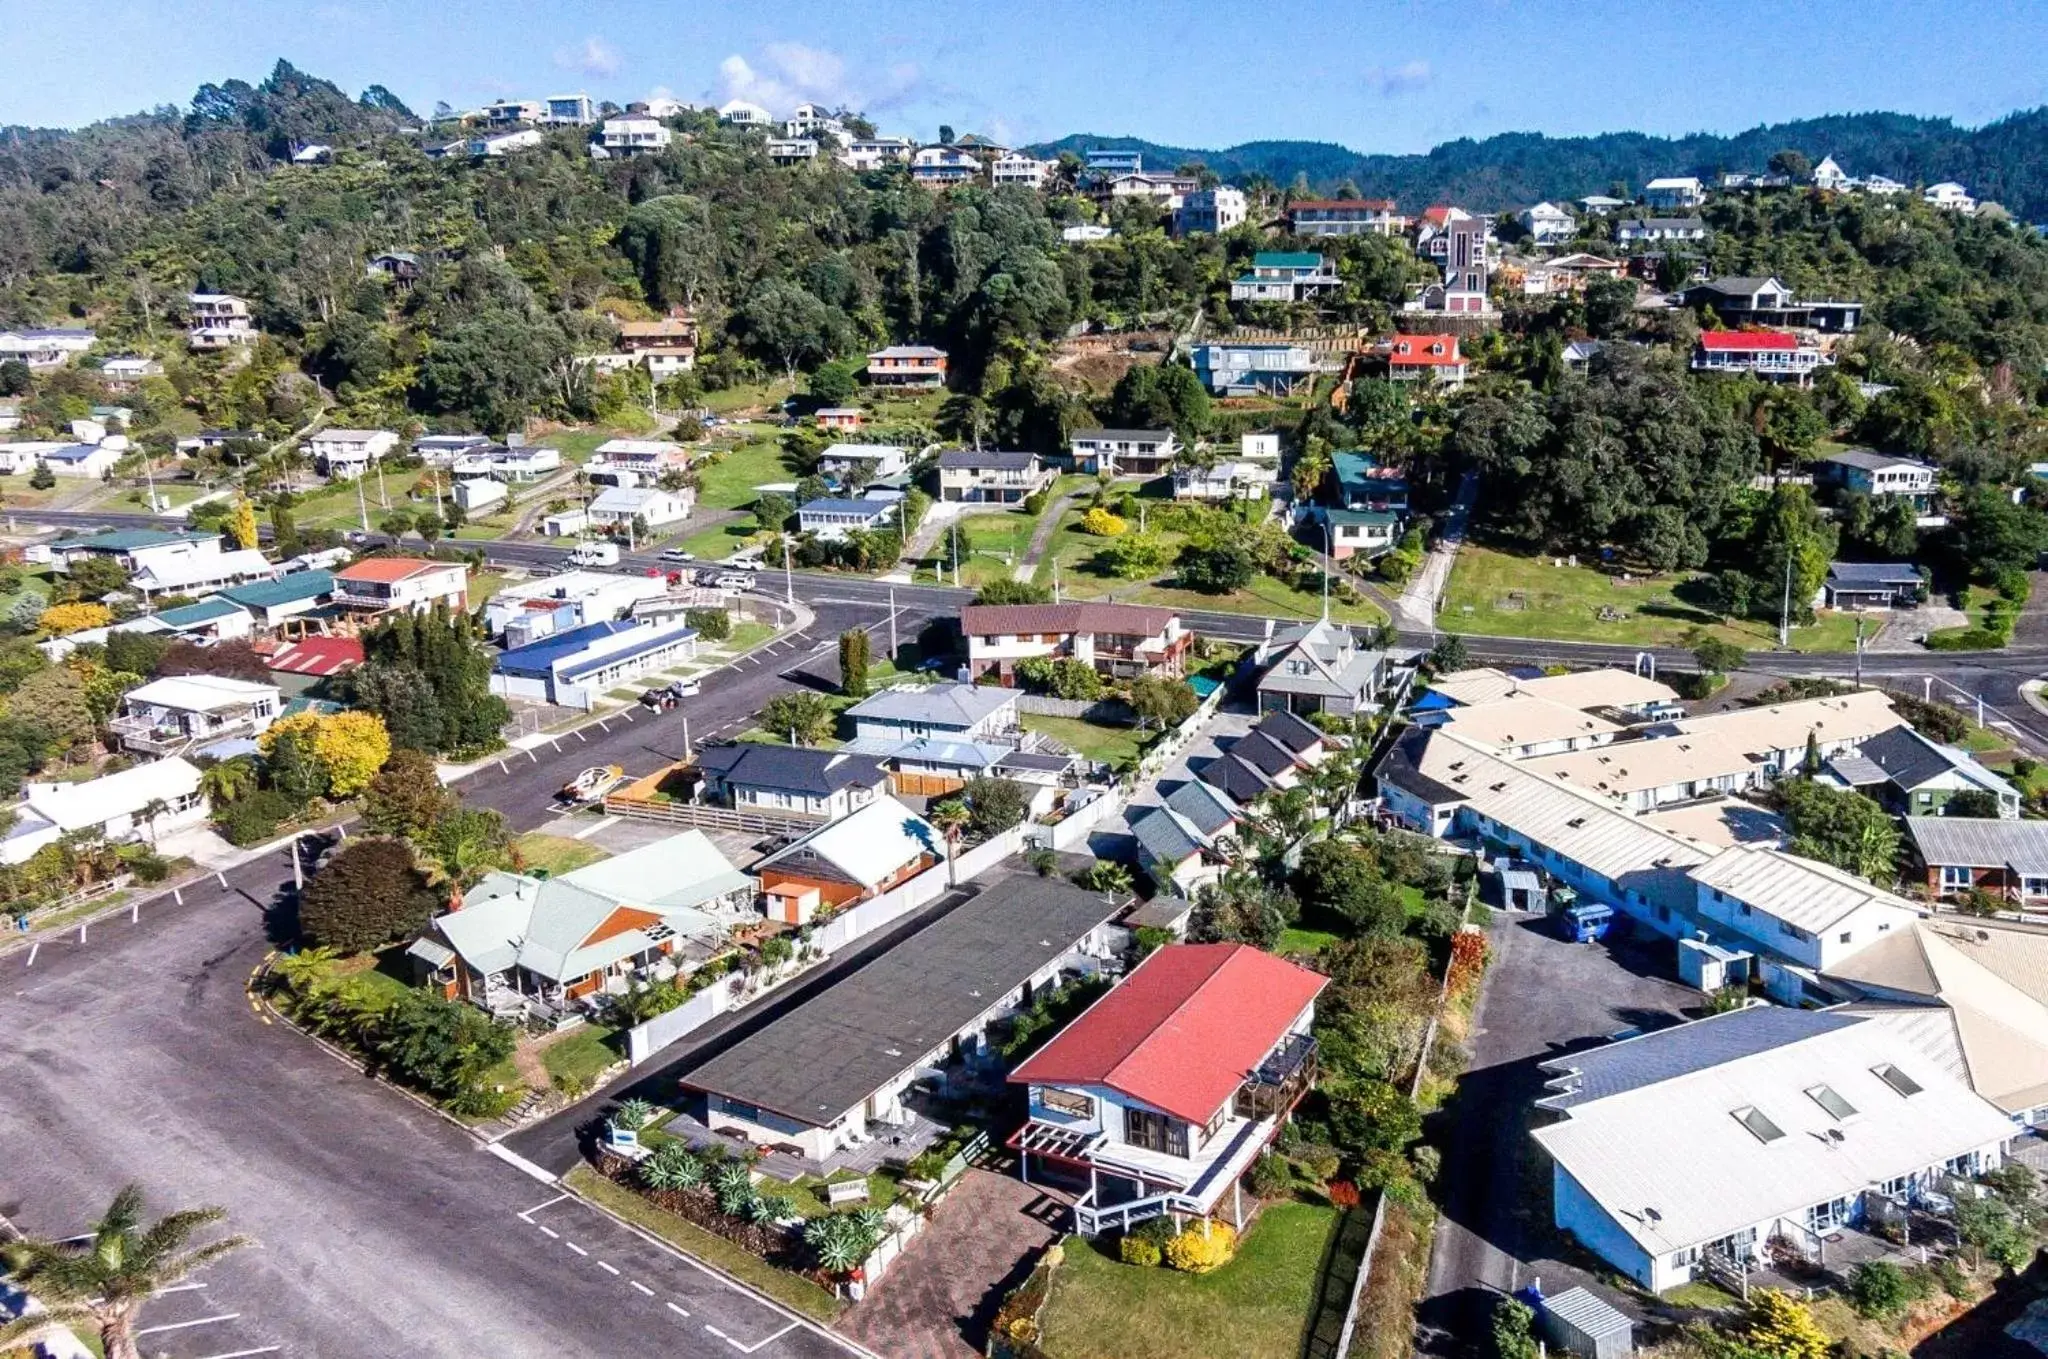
(1543, 997)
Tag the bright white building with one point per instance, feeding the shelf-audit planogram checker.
(218, 321)
(633, 136)
(112, 804)
(1211, 210)
(345, 454)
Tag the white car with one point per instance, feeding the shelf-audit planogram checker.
(676, 554)
(734, 580)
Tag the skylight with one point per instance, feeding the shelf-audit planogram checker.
(1837, 1107)
(1896, 1079)
(1758, 1123)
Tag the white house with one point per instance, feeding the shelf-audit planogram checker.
(92, 460)
(1284, 276)
(1547, 222)
(880, 460)
(1773, 355)
(1211, 210)
(124, 372)
(1123, 452)
(1115, 639)
(832, 519)
(1949, 196)
(345, 454)
(534, 609)
(791, 150)
(45, 347)
(477, 493)
(134, 549)
(628, 462)
(114, 805)
(506, 462)
(441, 450)
(619, 506)
(569, 110)
(502, 143)
(1164, 1092)
(811, 120)
(506, 112)
(218, 321)
(950, 712)
(1223, 481)
(1020, 171)
(1761, 1130)
(872, 153)
(990, 476)
(378, 585)
(741, 113)
(185, 712)
(633, 136)
(1808, 912)
(1660, 229)
(941, 166)
(1684, 191)
(1830, 176)
(204, 572)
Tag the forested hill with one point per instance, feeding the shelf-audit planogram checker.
(2006, 161)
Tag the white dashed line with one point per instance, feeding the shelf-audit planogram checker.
(679, 1311)
(527, 1216)
(767, 1340)
(578, 1249)
(244, 1354)
(607, 1267)
(641, 1286)
(551, 1233)
(183, 1325)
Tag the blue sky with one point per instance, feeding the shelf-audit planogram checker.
(1374, 76)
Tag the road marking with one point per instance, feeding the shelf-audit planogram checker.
(549, 1232)
(184, 1325)
(32, 954)
(527, 1216)
(594, 828)
(679, 1311)
(244, 1354)
(641, 1286)
(580, 736)
(177, 1288)
(769, 1340)
(607, 1267)
(578, 1249)
(515, 1160)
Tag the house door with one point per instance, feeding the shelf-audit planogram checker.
(1155, 1132)
(1825, 1217)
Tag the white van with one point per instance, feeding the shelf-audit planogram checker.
(595, 554)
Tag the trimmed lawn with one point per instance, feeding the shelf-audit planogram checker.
(991, 545)
(729, 483)
(582, 1054)
(714, 545)
(808, 1194)
(787, 1289)
(1502, 594)
(1300, 941)
(556, 854)
(746, 635)
(1114, 746)
(1255, 1307)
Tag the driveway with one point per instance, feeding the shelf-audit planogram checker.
(1112, 839)
(1542, 998)
(938, 1300)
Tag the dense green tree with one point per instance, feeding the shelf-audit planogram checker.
(802, 717)
(853, 662)
(995, 805)
(369, 894)
(407, 796)
(1841, 827)
(1218, 568)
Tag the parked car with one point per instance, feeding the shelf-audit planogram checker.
(595, 554)
(668, 695)
(735, 580)
(676, 554)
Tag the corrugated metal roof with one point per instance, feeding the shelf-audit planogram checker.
(1981, 842)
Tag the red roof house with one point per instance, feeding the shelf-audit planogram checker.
(318, 656)
(1774, 355)
(1167, 1088)
(1414, 356)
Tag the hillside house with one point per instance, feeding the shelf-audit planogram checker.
(1212, 210)
(1344, 217)
(1630, 230)
(1123, 452)
(633, 136)
(1871, 585)
(907, 365)
(1419, 358)
(1256, 369)
(1771, 355)
(218, 321)
(185, 713)
(987, 476)
(345, 454)
(1115, 639)
(1674, 192)
(1284, 276)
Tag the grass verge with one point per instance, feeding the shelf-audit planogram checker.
(799, 1294)
(556, 854)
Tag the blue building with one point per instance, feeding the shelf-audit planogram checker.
(573, 669)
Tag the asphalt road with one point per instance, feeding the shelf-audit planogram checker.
(385, 1230)
(136, 1055)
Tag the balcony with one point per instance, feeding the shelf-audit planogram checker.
(1280, 1082)
(160, 736)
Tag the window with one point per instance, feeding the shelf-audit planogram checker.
(1155, 1132)
(1758, 1123)
(1838, 1108)
(1846, 935)
(1896, 1079)
(1067, 1102)
(1955, 877)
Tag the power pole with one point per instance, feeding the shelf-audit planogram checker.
(362, 506)
(1785, 608)
(892, 625)
(1329, 549)
(788, 579)
(1055, 578)
(1859, 651)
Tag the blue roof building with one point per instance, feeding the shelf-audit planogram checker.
(574, 669)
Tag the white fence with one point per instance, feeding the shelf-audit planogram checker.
(644, 1040)
(1075, 828)
(1112, 711)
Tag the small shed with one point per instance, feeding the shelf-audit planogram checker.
(1710, 967)
(1578, 1322)
(1521, 886)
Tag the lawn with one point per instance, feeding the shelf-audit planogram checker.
(1502, 594)
(747, 396)
(555, 854)
(728, 484)
(721, 541)
(580, 1056)
(1074, 553)
(807, 1195)
(1304, 942)
(990, 545)
(1255, 1307)
(750, 1269)
(1113, 746)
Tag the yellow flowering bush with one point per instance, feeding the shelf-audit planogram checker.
(1102, 523)
(1201, 1248)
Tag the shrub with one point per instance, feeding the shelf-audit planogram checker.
(713, 625)
(1879, 1288)
(1201, 1248)
(1512, 1329)
(1103, 523)
(1137, 1250)
(1270, 1177)
(150, 868)
(255, 818)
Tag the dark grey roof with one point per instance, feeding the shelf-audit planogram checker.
(821, 1059)
(1681, 1050)
(1035, 759)
(1262, 753)
(1873, 575)
(1907, 758)
(1981, 842)
(1736, 286)
(1206, 809)
(1161, 837)
(795, 769)
(1291, 732)
(1130, 436)
(1234, 777)
(986, 460)
(1668, 223)
(1870, 460)
(1400, 768)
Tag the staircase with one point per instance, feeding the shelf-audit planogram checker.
(1092, 1219)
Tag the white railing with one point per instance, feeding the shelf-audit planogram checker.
(1091, 1220)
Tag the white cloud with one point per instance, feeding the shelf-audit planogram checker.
(593, 56)
(785, 74)
(1406, 78)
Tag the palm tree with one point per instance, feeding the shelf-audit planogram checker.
(151, 810)
(103, 1280)
(951, 817)
(1110, 877)
(466, 844)
(226, 780)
